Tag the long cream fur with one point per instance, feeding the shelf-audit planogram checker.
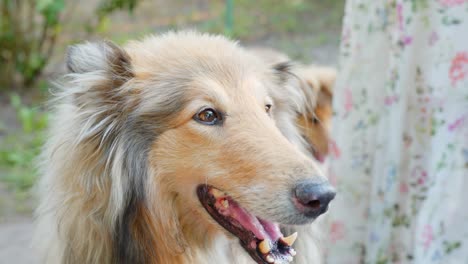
(119, 158)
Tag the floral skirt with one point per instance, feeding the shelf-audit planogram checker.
(400, 130)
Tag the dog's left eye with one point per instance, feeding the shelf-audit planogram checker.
(208, 116)
(315, 119)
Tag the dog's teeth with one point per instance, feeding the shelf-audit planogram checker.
(270, 259)
(225, 203)
(264, 246)
(290, 258)
(292, 252)
(216, 193)
(290, 239)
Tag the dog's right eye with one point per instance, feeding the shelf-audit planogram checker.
(208, 116)
(315, 119)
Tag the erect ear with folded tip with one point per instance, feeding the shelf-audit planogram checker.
(321, 80)
(326, 77)
(283, 70)
(100, 58)
(97, 71)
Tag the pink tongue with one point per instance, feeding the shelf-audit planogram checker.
(272, 229)
(261, 228)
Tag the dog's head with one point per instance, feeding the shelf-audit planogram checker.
(310, 94)
(314, 119)
(185, 126)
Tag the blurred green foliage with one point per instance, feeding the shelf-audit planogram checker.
(28, 35)
(253, 19)
(18, 150)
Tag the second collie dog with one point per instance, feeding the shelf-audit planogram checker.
(314, 85)
(174, 149)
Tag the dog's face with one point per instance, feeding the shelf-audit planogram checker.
(199, 141)
(314, 123)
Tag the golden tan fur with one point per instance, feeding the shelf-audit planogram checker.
(313, 93)
(315, 124)
(124, 156)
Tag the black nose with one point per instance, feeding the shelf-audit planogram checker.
(313, 196)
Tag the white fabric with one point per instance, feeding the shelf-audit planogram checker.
(401, 134)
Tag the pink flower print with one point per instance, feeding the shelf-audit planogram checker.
(457, 123)
(334, 150)
(420, 174)
(399, 9)
(423, 178)
(459, 67)
(346, 35)
(404, 189)
(337, 231)
(348, 100)
(389, 100)
(427, 236)
(450, 3)
(406, 40)
(433, 38)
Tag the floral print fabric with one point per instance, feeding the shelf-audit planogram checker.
(400, 159)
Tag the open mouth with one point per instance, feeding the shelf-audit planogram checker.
(261, 238)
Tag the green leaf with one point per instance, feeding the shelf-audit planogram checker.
(15, 100)
(25, 116)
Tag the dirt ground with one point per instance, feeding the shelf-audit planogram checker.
(316, 41)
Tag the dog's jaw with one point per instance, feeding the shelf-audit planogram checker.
(261, 239)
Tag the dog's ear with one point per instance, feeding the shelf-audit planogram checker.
(97, 72)
(102, 58)
(320, 80)
(326, 77)
(283, 70)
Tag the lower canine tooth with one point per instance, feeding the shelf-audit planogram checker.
(290, 258)
(290, 239)
(264, 246)
(292, 252)
(270, 259)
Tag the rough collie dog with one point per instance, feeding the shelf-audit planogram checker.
(313, 114)
(314, 119)
(174, 149)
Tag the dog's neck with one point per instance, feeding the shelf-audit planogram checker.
(204, 243)
(185, 236)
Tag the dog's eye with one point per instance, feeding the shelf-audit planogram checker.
(315, 119)
(267, 108)
(208, 116)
